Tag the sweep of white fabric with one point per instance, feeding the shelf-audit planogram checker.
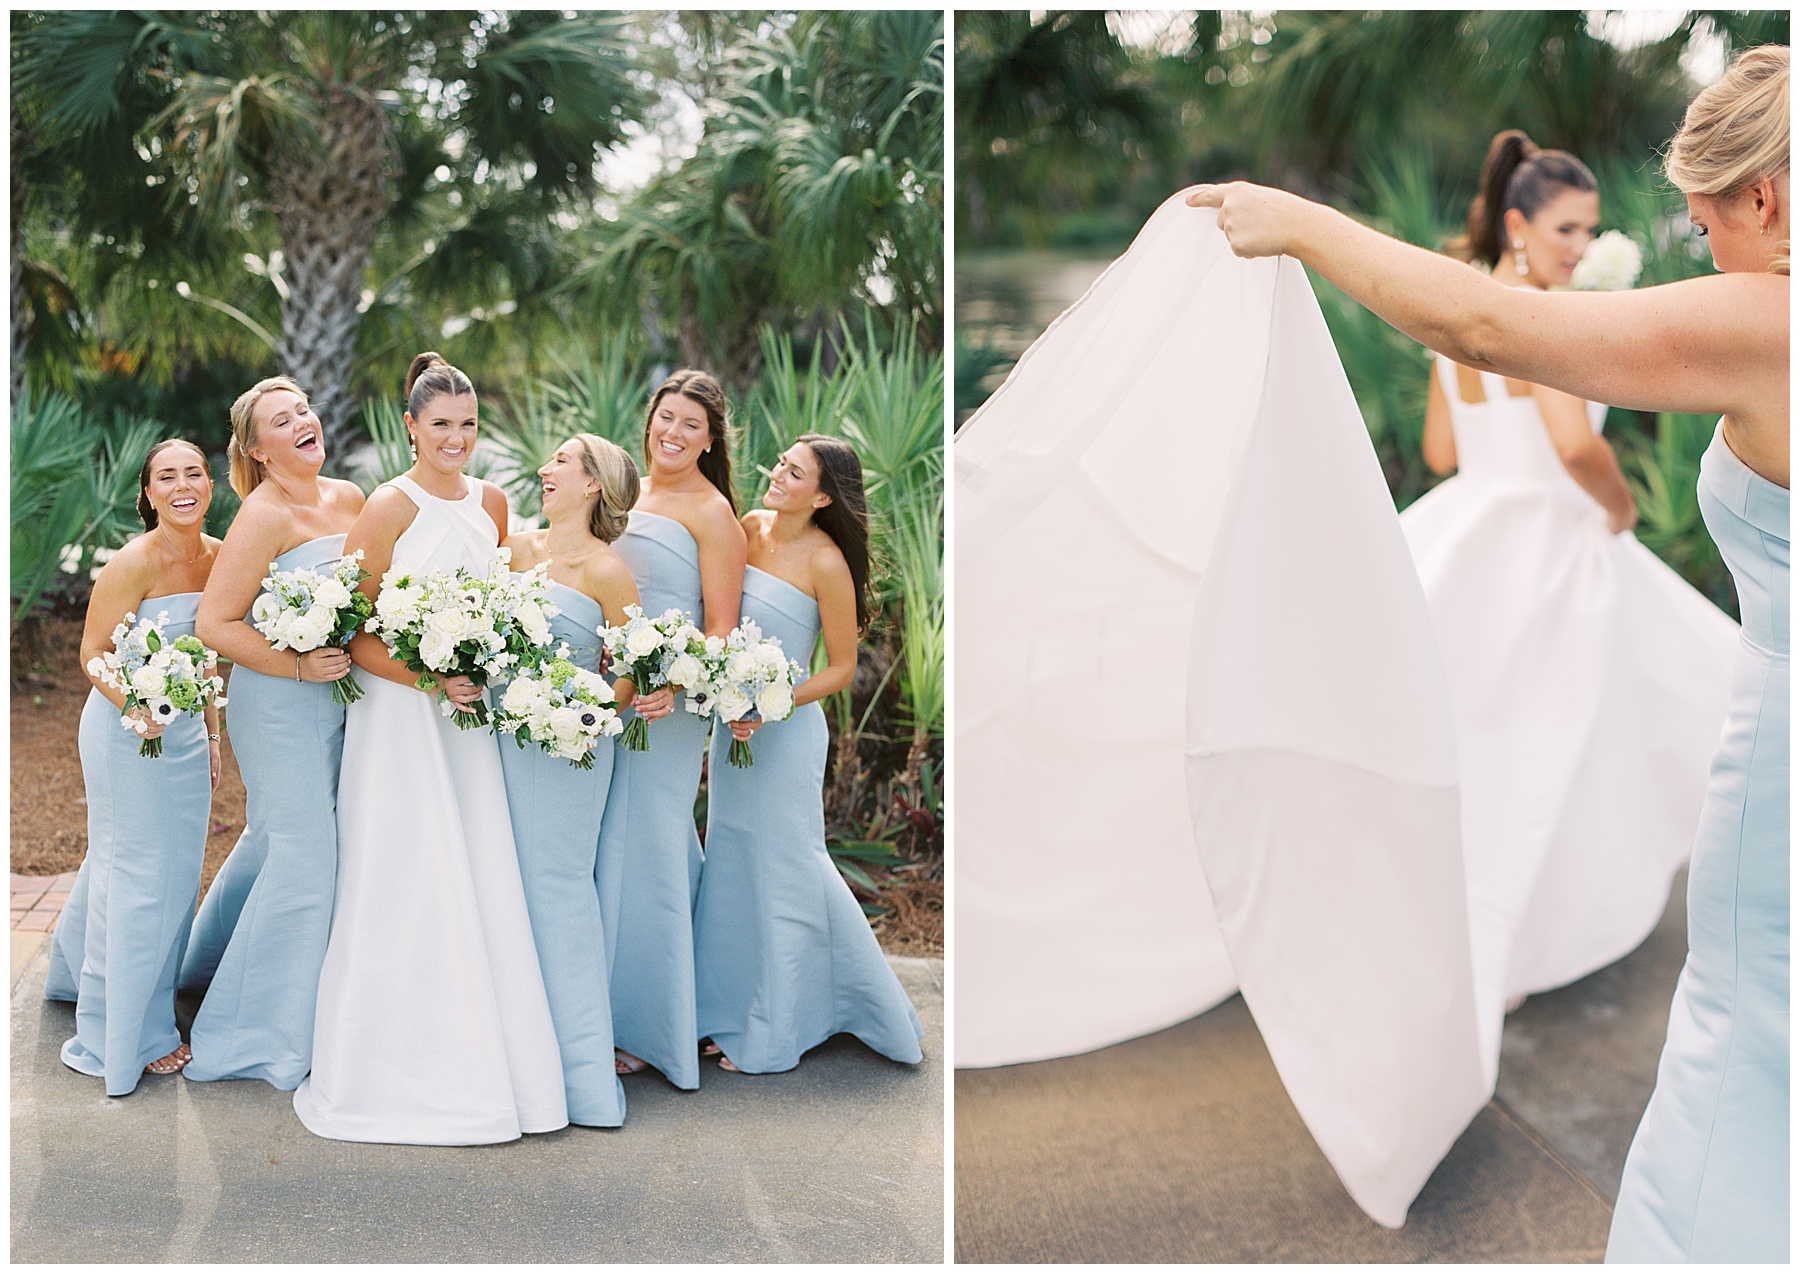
(1203, 734)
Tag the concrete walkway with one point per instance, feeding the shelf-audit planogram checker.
(1184, 1146)
(841, 1159)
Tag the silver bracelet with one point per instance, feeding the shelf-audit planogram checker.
(296, 667)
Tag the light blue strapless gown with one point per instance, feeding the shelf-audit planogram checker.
(1707, 1175)
(118, 946)
(783, 955)
(648, 869)
(259, 941)
(556, 813)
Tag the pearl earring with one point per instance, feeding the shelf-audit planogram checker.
(1519, 257)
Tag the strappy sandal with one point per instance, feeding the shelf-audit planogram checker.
(172, 1063)
(710, 1049)
(625, 1064)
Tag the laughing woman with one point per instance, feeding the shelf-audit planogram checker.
(685, 549)
(120, 941)
(259, 940)
(784, 958)
(589, 487)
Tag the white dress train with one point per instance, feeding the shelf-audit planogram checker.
(1269, 800)
(432, 1024)
(1590, 684)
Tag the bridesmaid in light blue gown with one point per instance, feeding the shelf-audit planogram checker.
(118, 945)
(589, 487)
(259, 940)
(685, 549)
(1706, 1178)
(784, 958)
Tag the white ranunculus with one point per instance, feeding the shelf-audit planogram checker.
(436, 649)
(685, 670)
(306, 633)
(331, 593)
(770, 659)
(520, 695)
(1612, 263)
(643, 642)
(148, 682)
(454, 623)
(594, 684)
(776, 701)
(742, 666)
(732, 704)
(565, 722)
(265, 608)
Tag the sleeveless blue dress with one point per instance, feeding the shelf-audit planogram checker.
(119, 944)
(556, 813)
(1707, 1175)
(783, 956)
(259, 940)
(648, 868)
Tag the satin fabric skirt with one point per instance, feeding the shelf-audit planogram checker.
(783, 955)
(259, 941)
(118, 946)
(432, 1025)
(556, 814)
(1707, 1175)
(648, 872)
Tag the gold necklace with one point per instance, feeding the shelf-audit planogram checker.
(171, 544)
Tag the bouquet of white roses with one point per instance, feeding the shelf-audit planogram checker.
(159, 676)
(450, 624)
(754, 675)
(566, 710)
(306, 609)
(1611, 263)
(665, 651)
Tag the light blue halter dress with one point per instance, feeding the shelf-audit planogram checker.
(259, 941)
(784, 958)
(649, 862)
(556, 812)
(119, 943)
(1707, 1175)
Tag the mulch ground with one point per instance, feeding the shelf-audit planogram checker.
(49, 805)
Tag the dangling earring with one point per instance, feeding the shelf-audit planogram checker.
(1519, 257)
(412, 445)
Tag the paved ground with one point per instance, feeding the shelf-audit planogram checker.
(839, 1160)
(1183, 1145)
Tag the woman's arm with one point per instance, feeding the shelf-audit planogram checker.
(837, 621)
(723, 555)
(1440, 438)
(493, 503)
(383, 521)
(251, 545)
(1717, 344)
(1587, 456)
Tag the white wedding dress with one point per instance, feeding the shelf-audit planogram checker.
(1172, 504)
(1590, 683)
(432, 1025)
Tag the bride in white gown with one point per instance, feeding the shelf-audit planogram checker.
(432, 1025)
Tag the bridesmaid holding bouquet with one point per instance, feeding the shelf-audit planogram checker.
(685, 549)
(784, 958)
(589, 488)
(259, 941)
(119, 943)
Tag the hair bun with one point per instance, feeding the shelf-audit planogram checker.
(430, 358)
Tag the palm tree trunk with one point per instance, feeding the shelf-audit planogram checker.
(328, 204)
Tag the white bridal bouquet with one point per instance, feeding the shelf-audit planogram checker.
(307, 609)
(566, 710)
(1612, 263)
(665, 651)
(753, 675)
(160, 676)
(449, 624)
